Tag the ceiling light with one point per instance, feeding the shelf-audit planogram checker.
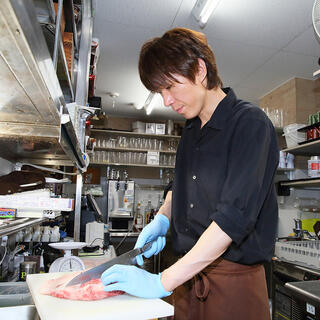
(113, 96)
(153, 100)
(203, 9)
(135, 106)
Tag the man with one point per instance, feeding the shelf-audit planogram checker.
(222, 207)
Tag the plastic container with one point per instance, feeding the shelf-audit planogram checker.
(292, 136)
(314, 167)
(14, 294)
(305, 253)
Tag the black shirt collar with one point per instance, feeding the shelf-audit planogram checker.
(221, 113)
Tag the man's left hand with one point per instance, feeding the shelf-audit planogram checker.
(134, 281)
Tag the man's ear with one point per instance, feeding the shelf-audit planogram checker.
(202, 71)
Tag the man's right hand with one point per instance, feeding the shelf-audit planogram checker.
(154, 231)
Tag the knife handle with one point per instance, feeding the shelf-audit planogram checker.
(146, 247)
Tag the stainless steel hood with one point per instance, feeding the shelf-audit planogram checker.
(31, 100)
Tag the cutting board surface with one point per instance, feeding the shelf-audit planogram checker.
(121, 307)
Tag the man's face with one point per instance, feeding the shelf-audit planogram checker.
(184, 96)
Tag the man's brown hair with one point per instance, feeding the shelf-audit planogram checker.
(176, 52)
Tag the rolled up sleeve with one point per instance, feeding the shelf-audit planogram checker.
(251, 166)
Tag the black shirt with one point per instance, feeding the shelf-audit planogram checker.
(224, 173)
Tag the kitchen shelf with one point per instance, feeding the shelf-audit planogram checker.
(20, 224)
(135, 134)
(134, 150)
(301, 183)
(307, 149)
(130, 165)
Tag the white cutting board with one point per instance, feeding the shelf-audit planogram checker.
(121, 307)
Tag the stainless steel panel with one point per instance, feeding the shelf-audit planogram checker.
(27, 58)
(84, 55)
(31, 100)
(77, 209)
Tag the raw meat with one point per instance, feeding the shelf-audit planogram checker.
(91, 290)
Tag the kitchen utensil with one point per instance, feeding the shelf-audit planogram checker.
(128, 258)
(27, 267)
(68, 262)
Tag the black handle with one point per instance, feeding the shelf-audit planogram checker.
(146, 247)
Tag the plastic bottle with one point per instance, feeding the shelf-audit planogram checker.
(55, 234)
(314, 167)
(46, 234)
(36, 237)
(282, 160)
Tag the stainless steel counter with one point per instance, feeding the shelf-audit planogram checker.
(306, 289)
(123, 234)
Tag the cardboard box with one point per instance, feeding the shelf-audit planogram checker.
(160, 128)
(153, 158)
(69, 51)
(139, 127)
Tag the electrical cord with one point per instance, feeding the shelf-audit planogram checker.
(94, 241)
(126, 235)
(4, 255)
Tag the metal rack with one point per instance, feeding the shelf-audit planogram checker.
(128, 134)
(311, 148)
(20, 224)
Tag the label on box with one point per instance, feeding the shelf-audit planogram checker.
(7, 213)
(160, 128)
(153, 158)
(151, 128)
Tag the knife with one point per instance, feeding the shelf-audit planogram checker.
(128, 258)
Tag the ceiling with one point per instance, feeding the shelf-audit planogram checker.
(258, 45)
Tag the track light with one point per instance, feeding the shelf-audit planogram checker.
(203, 9)
(153, 100)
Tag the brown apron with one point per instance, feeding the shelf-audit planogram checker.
(223, 291)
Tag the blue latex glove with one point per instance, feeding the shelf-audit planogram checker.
(155, 230)
(134, 281)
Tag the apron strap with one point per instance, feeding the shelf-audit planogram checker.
(201, 286)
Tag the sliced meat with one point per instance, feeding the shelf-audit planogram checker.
(91, 290)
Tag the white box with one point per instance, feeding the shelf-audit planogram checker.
(153, 158)
(138, 126)
(36, 200)
(95, 233)
(151, 128)
(160, 128)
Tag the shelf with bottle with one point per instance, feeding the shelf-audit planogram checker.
(311, 148)
(135, 143)
(129, 158)
(135, 134)
(134, 149)
(131, 165)
(302, 183)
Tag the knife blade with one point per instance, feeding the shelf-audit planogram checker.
(128, 258)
